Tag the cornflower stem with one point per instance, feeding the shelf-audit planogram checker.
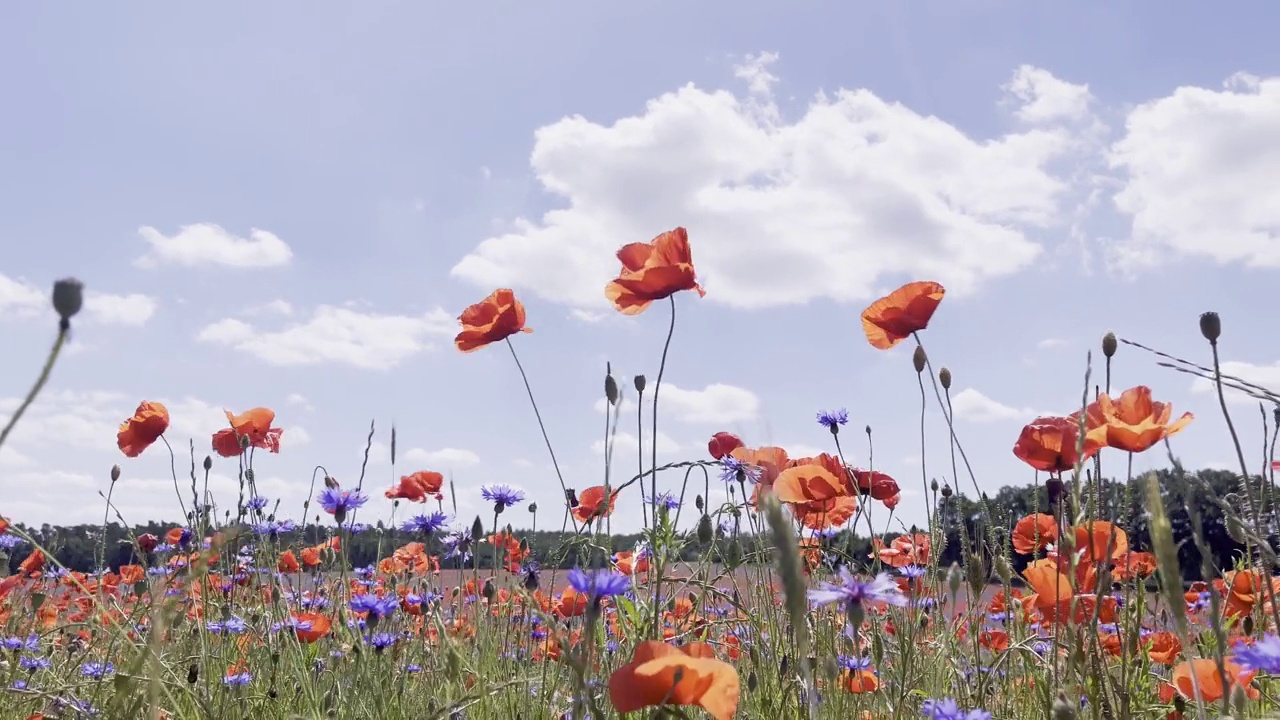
(63, 331)
(555, 464)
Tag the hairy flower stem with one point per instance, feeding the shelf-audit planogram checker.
(541, 426)
(63, 331)
(653, 480)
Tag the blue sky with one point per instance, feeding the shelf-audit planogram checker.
(288, 205)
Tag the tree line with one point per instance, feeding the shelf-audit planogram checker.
(1210, 492)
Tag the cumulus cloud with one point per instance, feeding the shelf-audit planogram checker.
(1198, 171)
(716, 404)
(972, 406)
(21, 298)
(206, 244)
(1265, 376)
(335, 335)
(624, 444)
(851, 195)
(1044, 98)
(442, 459)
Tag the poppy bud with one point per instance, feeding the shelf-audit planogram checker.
(193, 674)
(1211, 327)
(571, 497)
(1109, 344)
(477, 529)
(918, 359)
(610, 390)
(704, 529)
(330, 483)
(393, 444)
(1246, 625)
(68, 298)
(753, 682)
(944, 377)
(533, 508)
(248, 474)
(1275, 413)
(639, 381)
(722, 444)
(208, 463)
(933, 485)
(783, 665)
(697, 502)
(115, 473)
(947, 491)
(1055, 489)
(489, 589)
(1062, 709)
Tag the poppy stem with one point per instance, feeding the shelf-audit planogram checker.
(564, 489)
(63, 330)
(653, 479)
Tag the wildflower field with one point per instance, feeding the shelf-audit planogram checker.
(1091, 593)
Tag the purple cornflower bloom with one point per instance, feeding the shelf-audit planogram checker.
(598, 583)
(854, 592)
(338, 502)
(381, 641)
(376, 607)
(529, 571)
(949, 709)
(832, 420)
(732, 467)
(257, 503)
(667, 500)
(97, 670)
(241, 679)
(1263, 656)
(502, 496)
(911, 572)
(426, 524)
(850, 662)
(274, 528)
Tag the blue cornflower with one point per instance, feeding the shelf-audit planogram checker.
(381, 641)
(911, 572)
(97, 670)
(257, 503)
(529, 571)
(274, 528)
(502, 496)
(376, 607)
(949, 709)
(34, 663)
(241, 679)
(1263, 656)
(338, 502)
(412, 668)
(598, 583)
(9, 541)
(853, 662)
(667, 500)
(355, 528)
(457, 544)
(425, 524)
(732, 470)
(854, 592)
(832, 420)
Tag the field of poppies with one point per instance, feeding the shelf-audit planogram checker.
(1073, 610)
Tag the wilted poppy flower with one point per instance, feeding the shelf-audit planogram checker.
(146, 426)
(650, 680)
(1135, 422)
(1034, 532)
(417, 487)
(723, 443)
(491, 320)
(896, 316)
(593, 504)
(652, 271)
(1050, 444)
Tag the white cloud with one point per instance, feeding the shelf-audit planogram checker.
(208, 244)
(716, 404)
(522, 463)
(1266, 376)
(296, 435)
(973, 406)
(1044, 98)
(854, 194)
(1051, 343)
(20, 298)
(755, 70)
(133, 309)
(335, 335)
(624, 444)
(1200, 169)
(275, 307)
(442, 459)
